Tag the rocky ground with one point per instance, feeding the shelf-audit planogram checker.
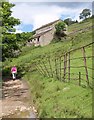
(16, 100)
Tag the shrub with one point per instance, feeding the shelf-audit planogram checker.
(60, 28)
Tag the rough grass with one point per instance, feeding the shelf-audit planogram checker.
(79, 26)
(54, 98)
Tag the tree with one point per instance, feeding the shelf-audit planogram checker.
(81, 16)
(85, 13)
(61, 26)
(23, 37)
(69, 21)
(9, 41)
(60, 31)
(76, 21)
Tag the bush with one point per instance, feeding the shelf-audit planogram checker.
(60, 28)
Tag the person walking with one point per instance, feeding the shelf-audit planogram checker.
(14, 72)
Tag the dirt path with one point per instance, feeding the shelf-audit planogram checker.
(16, 101)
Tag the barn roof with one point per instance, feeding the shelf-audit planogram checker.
(48, 24)
(37, 35)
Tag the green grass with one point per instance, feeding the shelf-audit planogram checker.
(51, 97)
(79, 26)
(55, 99)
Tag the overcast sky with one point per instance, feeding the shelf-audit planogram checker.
(35, 14)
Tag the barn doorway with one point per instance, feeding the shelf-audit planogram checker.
(38, 38)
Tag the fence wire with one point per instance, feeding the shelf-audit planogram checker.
(62, 67)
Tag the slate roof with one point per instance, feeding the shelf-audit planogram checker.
(48, 24)
(37, 35)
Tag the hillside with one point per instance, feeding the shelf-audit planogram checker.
(52, 97)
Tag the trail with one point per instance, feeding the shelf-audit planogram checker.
(16, 100)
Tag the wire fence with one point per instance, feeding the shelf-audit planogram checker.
(74, 66)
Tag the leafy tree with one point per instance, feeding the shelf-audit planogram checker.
(76, 21)
(85, 13)
(81, 16)
(9, 41)
(69, 21)
(23, 37)
(60, 27)
(60, 31)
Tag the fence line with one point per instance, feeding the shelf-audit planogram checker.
(61, 68)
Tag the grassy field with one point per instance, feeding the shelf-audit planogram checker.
(53, 98)
(79, 26)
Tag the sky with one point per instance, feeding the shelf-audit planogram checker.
(35, 14)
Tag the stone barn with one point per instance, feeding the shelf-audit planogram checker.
(44, 35)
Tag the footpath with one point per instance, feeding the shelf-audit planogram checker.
(16, 100)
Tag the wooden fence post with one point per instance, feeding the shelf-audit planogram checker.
(79, 78)
(65, 65)
(83, 49)
(69, 66)
(64, 68)
(60, 67)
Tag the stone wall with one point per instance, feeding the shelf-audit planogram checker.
(46, 38)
